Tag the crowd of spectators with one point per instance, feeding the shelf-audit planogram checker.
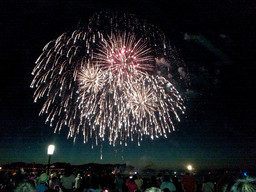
(72, 181)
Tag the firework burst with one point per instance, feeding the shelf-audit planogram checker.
(123, 53)
(106, 83)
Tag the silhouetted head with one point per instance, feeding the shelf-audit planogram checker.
(166, 178)
(206, 178)
(68, 170)
(174, 179)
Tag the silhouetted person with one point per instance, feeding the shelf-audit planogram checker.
(119, 183)
(153, 182)
(207, 186)
(42, 183)
(131, 185)
(188, 183)
(167, 184)
(107, 181)
(68, 179)
(139, 181)
(177, 184)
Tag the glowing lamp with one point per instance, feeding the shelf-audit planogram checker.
(50, 150)
(189, 167)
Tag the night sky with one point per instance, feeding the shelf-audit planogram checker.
(218, 128)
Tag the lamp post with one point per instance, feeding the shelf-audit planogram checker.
(50, 152)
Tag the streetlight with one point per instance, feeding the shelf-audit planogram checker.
(50, 152)
(189, 167)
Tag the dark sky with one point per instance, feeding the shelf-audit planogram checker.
(218, 128)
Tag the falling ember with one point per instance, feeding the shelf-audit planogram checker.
(105, 82)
